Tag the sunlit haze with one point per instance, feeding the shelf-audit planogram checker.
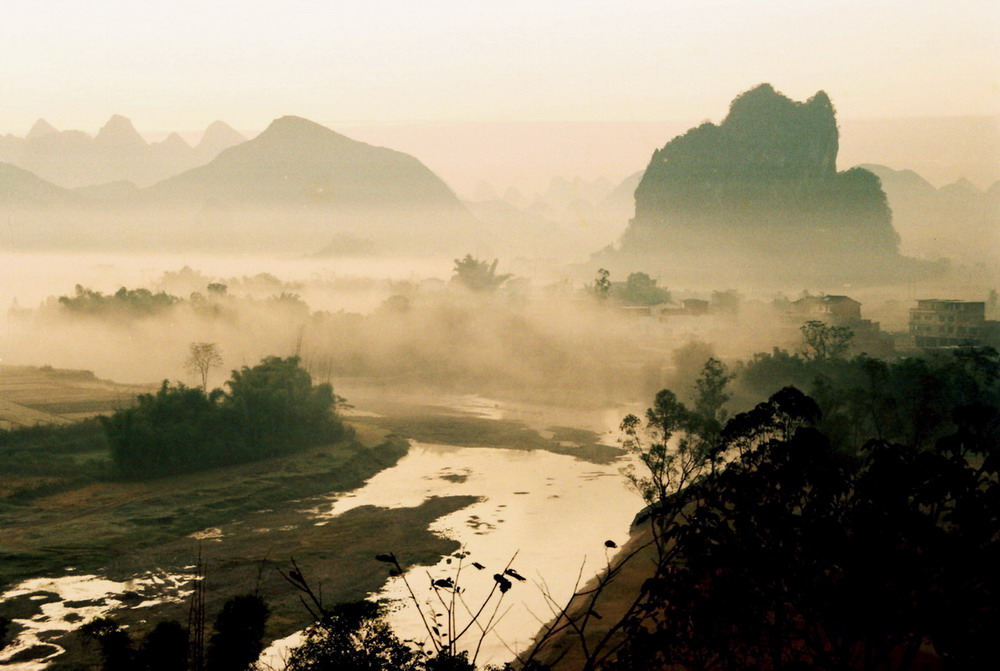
(519, 334)
(180, 65)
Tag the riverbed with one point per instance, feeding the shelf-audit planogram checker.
(548, 512)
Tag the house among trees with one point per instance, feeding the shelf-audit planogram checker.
(836, 310)
(939, 322)
(688, 306)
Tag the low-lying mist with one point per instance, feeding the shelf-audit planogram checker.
(408, 331)
(399, 324)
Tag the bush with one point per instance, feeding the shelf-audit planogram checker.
(270, 409)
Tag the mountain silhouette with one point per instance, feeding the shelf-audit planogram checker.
(119, 135)
(919, 208)
(218, 137)
(40, 129)
(21, 188)
(761, 189)
(73, 159)
(296, 161)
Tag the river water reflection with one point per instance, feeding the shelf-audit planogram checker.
(552, 510)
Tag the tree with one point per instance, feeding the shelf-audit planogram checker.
(270, 409)
(711, 395)
(602, 284)
(202, 358)
(671, 464)
(797, 555)
(727, 302)
(239, 634)
(165, 648)
(477, 275)
(114, 642)
(823, 342)
(353, 637)
(277, 407)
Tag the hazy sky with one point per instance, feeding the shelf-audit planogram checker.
(181, 64)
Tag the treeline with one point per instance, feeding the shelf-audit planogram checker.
(142, 302)
(267, 410)
(910, 400)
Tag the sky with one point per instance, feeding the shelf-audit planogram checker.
(182, 64)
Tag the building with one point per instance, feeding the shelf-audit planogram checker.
(834, 310)
(841, 311)
(939, 322)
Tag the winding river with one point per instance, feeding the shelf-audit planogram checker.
(546, 514)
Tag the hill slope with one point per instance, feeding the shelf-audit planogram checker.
(298, 162)
(22, 188)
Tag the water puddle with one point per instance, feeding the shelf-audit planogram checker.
(67, 602)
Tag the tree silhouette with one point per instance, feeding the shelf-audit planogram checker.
(202, 358)
(477, 275)
(239, 632)
(821, 341)
(602, 284)
(797, 553)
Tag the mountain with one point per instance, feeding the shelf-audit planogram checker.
(114, 192)
(74, 159)
(971, 216)
(218, 137)
(20, 188)
(762, 189)
(118, 135)
(40, 129)
(298, 162)
(622, 197)
(292, 188)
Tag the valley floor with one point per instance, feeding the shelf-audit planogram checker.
(244, 521)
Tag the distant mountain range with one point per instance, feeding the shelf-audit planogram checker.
(294, 162)
(957, 220)
(318, 184)
(297, 185)
(73, 159)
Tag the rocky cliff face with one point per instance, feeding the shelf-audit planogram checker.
(764, 182)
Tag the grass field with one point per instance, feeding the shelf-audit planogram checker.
(32, 395)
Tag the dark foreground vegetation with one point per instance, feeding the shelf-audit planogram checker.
(268, 410)
(855, 530)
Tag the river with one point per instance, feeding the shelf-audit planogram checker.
(549, 514)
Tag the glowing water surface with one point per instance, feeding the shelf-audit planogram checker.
(553, 511)
(77, 599)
